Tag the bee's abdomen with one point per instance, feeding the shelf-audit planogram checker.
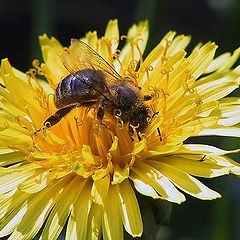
(66, 91)
(79, 88)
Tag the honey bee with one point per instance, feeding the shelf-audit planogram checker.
(93, 81)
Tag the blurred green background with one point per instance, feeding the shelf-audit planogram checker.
(218, 20)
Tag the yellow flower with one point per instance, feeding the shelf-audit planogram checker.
(85, 174)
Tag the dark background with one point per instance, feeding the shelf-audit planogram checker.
(218, 20)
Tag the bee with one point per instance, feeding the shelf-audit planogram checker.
(94, 82)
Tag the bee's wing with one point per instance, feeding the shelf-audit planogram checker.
(81, 56)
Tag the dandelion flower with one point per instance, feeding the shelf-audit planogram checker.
(84, 175)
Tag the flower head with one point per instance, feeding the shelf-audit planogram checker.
(84, 173)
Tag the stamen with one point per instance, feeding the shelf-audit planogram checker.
(150, 68)
(164, 57)
(116, 54)
(155, 97)
(136, 75)
(33, 71)
(78, 122)
(117, 113)
(166, 72)
(134, 127)
(31, 74)
(164, 96)
(41, 72)
(146, 70)
(71, 135)
(187, 88)
(65, 49)
(67, 149)
(5, 125)
(36, 86)
(22, 123)
(41, 97)
(134, 43)
(120, 123)
(35, 63)
(124, 37)
(95, 127)
(116, 57)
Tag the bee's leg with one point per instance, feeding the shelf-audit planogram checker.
(100, 113)
(59, 114)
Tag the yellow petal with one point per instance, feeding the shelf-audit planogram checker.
(12, 221)
(221, 86)
(201, 58)
(91, 40)
(11, 158)
(203, 149)
(221, 131)
(196, 168)
(112, 33)
(112, 222)
(11, 201)
(61, 210)
(225, 161)
(129, 209)
(158, 181)
(186, 182)
(53, 68)
(52, 42)
(229, 114)
(120, 174)
(179, 43)
(142, 187)
(162, 149)
(94, 222)
(223, 62)
(77, 223)
(100, 189)
(11, 181)
(39, 180)
(139, 146)
(29, 218)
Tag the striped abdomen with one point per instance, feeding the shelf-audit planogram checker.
(83, 86)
